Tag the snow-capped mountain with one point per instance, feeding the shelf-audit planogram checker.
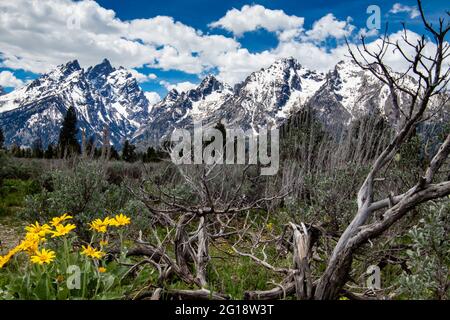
(104, 97)
(267, 96)
(180, 110)
(349, 93)
(107, 97)
(270, 95)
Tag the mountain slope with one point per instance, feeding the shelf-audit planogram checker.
(180, 110)
(270, 95)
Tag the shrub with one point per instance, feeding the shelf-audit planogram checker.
(83, 191)
(428, 258)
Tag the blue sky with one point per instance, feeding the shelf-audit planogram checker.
(127, 33)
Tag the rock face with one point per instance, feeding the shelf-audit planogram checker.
(349, 93)
(269, 96)
(180, 110)
(102, 96)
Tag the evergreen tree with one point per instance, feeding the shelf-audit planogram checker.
(50, 152)
(151, 155)
(28, 153)
(68, 142)
(2, 139)
(16, 151)
(114, 154)
(128, 152)
(37, 149)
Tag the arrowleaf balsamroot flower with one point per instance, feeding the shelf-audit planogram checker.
(102, 269)
(31, 243)
(57, 220)
(92, 252)
(36, 228)
(61, 230)
(120, 220)
(99, 225)
(43, 256)
(4, 260)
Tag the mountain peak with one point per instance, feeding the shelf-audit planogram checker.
(172, 94)
(101, 95)
(71, 66)
(209, 78)
(102, 69)
(289, 62)
(106, 61)
(105, 64)
(347, 64)
(64, 70)
(209, 85)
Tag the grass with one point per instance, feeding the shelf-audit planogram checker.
(12, 196)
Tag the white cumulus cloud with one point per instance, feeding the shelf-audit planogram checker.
(141, 78)
(9, 80)
(328, 26)
(251, 18)
(152, 97)
(180, 86)
(37, 35)
(412, 10)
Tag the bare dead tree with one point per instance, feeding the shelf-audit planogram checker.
(208, 212)
(106, 146)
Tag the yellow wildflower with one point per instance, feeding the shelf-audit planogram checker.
(100, 225)
(269, 226)
(92, 252)
(101, 269)
(103, 243)
(4, 260)
(13, 251)
(31, 243)
(57, 220)
(43, 256)
(120, 220)
(36, 228)
(61, 230)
